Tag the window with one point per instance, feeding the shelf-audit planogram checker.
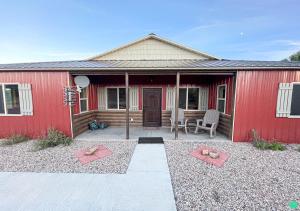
(182, 98)
(9, 99)
(83, 100)
(189, 98)
(2, 109)
(193, 98)
(116, 98)
(295, 103)
(221, 98)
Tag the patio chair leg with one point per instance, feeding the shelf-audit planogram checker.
(196, 130)
(211, 133)
(171, 128)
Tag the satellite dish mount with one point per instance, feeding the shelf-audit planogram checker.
(81, 82)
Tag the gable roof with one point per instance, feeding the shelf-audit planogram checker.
(153, 47)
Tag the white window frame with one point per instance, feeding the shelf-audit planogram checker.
(85, 98)
(217, 104)
(4, 100)
(115, 109)
(291, 99)
(187, 97)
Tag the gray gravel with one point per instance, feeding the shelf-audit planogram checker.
(250, 180)
(22, 158)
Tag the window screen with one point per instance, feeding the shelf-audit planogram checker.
(182, 98)
(122, 98)
(112, 98)
(83, 100)
(193, 98)
(2, 111)
(12, 99)
(83, 93)
(221, 98)
(221, 92)
(295, 106)
(83, 105)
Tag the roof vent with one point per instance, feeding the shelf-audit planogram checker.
(152, 34)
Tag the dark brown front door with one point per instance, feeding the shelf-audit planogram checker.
(152, 107)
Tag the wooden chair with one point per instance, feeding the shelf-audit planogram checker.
(182, 122)
(209, 122)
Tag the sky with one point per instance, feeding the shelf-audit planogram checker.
(34, 31)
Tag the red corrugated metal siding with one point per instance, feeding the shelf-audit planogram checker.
(256, 102)
(213, 93)
(92, 98)
(48, 105)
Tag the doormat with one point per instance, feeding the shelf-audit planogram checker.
(219, 162)
(101, 152)
(151, 140)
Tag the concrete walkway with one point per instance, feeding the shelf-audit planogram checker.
(145, 186)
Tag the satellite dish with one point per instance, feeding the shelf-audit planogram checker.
(82, 81)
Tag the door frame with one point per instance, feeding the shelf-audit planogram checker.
(161, 100)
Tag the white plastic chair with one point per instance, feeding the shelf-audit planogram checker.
(182, 122)
(209, 122)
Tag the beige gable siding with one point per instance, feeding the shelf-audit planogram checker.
(150, 49)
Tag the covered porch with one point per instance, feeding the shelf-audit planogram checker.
(121, 100)
(119, 133)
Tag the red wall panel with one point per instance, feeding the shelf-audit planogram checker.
(256, 102)
(48, 104)
(212, 100)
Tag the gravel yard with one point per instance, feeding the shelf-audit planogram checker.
(22, 158)
(250, 180)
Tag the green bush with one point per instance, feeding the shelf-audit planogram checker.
(15, 139)
(54, 138)
(263, 144)
(275, 146)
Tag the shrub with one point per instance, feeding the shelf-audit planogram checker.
(54, 138)
(15, 139)
(264, 144)
(275, 146)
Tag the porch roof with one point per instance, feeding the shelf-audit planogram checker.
(184, 64)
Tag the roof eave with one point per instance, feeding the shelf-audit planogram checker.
(150, 68)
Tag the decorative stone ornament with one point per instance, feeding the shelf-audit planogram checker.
(214, 155)
(205, 152)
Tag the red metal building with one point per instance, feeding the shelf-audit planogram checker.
(261, 95)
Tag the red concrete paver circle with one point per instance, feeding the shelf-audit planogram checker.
(100, 153)
(219, 162)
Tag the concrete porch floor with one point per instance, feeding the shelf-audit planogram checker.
(118, 133)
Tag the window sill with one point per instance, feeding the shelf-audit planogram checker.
(294, 116)
(11, 114)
